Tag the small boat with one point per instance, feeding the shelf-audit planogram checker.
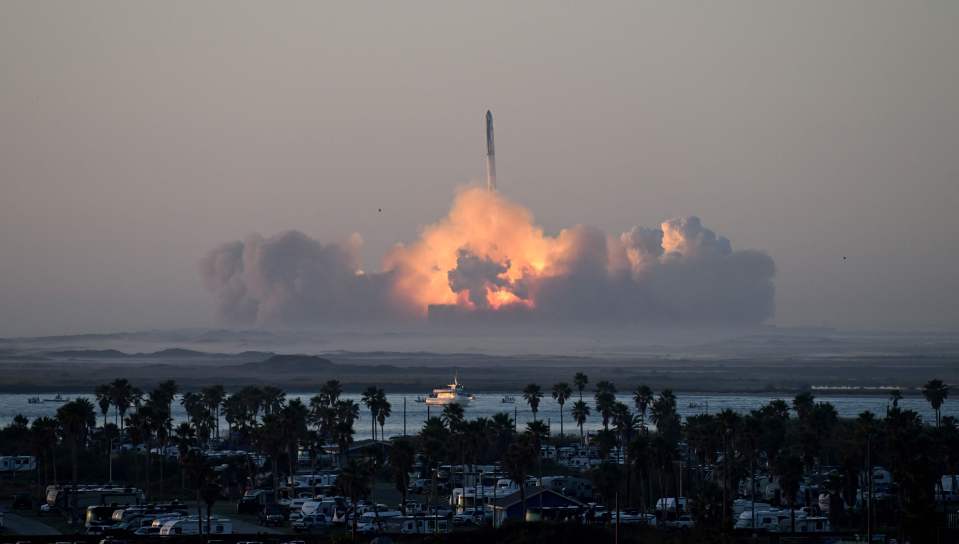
(451, 394)
(33, 400)
(508, 399)
(58, 398)
(420, 399)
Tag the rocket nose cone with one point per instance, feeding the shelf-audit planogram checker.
(489, 114)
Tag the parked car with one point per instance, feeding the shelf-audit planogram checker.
(468, 518)
(272, 514)
(311, 522)
(253, 501)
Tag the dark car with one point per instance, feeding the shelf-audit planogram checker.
(272, 514)
(254, 501)
(22, 501)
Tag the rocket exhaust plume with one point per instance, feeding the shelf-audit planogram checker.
(489, 259)
(490, 154)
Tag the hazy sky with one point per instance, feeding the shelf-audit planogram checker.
(136, 136)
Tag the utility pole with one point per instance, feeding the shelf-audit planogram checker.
(869, 483)
(616, 532)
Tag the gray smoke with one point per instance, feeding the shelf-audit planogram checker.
(474, 274)
(681, 273)
(291, 278)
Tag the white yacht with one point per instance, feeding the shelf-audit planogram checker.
(451, 394)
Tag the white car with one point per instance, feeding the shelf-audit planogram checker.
(467, 518)
(630, 517)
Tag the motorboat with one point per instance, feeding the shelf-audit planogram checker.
(451, 394)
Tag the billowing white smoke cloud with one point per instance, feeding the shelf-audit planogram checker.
(291, 278)
(679, 273)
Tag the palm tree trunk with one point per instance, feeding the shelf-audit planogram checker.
(146, 467)
(561, 421)
(629, 475)
(53, 456)
(199, 510)
(276, 468)
(162, 462)
(522, 494)
(73, 460)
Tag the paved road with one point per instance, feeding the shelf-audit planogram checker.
(21, 525)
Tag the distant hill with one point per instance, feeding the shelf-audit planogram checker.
(289, 364)
(175, 352)
(88, 353)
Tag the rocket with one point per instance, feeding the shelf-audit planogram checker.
(490, 154)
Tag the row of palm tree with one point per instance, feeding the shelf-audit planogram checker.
(784, 439)
(606, 404)
(375, 400)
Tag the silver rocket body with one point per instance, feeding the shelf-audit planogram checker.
(490, 154)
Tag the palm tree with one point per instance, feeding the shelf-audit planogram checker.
(402, 458)
(347, 413)
(532, 393)
(213, 396)
(385, 410)
(331, 391)
(166, 392)
(121, 395)
(518, 462)
(728, 422)
(803, 403)
(210, 493)
(184, 438)
(270, 438)
(605, 398)
(894, 397)
(195, 465)
(371, 400)
(354, 481)
(641, 398)
(273, 399)
(790, 472)
(102, 394)
(502, 427)
(561, 392)
(453, 417)
(198, 413)
(107, 435)
(580, 413)
(294, 416)
(639, 452)
(44, 437)
(76, 419)
(538, 432)
(434, 438)
(580, 380)
(936, 392)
